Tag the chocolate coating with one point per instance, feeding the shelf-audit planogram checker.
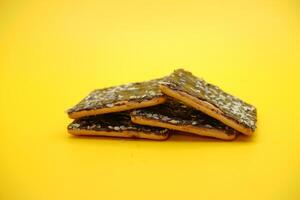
(113, 122)
(231, 106)
(177, 113)
(118, 95)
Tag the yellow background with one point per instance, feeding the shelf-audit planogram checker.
(52, 53)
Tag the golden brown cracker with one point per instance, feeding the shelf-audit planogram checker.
(119, 98)
(211, 100)
(115, 125)
(177, 116)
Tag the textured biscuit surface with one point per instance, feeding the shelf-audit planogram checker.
(211, 100)
(177, 116)
(115, 125)
(119, 98)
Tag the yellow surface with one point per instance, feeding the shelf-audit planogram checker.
(53, 53)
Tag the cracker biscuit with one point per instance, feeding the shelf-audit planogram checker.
(177, 116)
(211, 100)
(115, 125)
(119, 98)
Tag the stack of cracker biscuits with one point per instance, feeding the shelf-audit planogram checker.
(154, 109)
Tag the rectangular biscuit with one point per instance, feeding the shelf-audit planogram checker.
(211, 100)
(115, 125)
(177, 116)
(119, 98)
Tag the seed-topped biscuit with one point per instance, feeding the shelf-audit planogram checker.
(119, 98)
(115, 125)
(177, 116)
(211, 100)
